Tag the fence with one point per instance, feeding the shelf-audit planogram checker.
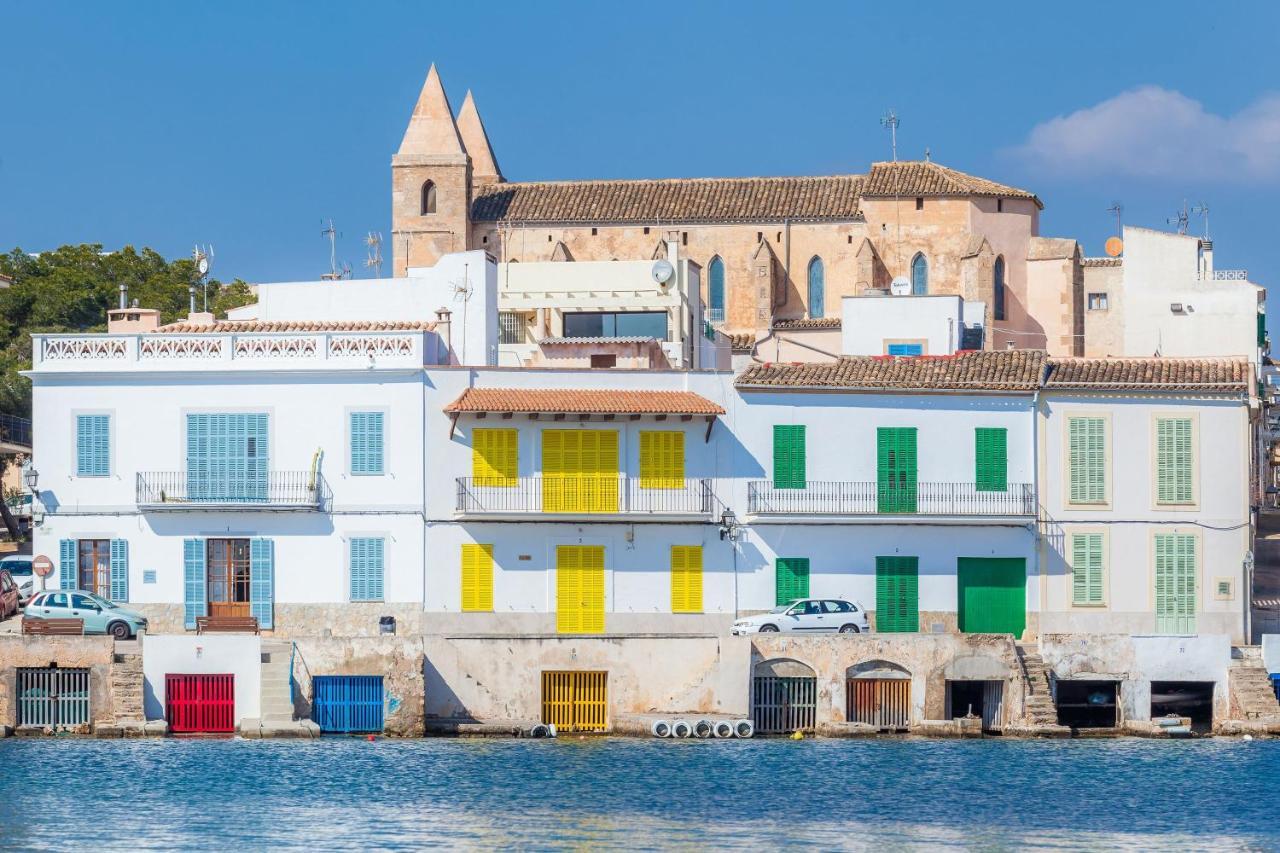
(15, 430)
(575, 701)
(176, 489)
(200, 703)
(881, 702)
(866, 498)
(582, 493)
(782, 704)
(347, 704)
(51, 697)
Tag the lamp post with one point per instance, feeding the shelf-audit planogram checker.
(32, 479)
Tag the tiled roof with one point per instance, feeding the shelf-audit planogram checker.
(1212, 375)
(634, 339)
(1102, 262)
(224, 326)
(924, 178)
(581, 401)
(741, 341)
(1001, 370)
(670, 200)
(808, 323)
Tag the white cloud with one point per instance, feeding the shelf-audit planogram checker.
(1152, 132)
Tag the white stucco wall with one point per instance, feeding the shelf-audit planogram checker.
(237, 655)
(871, 323)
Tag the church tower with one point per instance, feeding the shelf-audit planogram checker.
(430, 184)
(484, 166)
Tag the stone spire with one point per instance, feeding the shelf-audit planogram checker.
(431, 137)
(484, 166)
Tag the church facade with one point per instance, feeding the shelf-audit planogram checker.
(774, 252)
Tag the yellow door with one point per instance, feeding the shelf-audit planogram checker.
(580, 589)
(579, 470)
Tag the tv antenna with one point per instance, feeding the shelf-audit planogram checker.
(1202, 209)
(202, 256)
(890, 121)
(1180, 219)
(334, 274)
(1117, 209)
(462, 293)
(374, 242)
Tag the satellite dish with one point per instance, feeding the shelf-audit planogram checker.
(202, 265)
(662, 271)
(1114, 246)
(900, 286)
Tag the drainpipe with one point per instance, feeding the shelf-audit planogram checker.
(1035, 494)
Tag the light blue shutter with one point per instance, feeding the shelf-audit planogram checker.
(67, 564)
(119, 570)
(93, 445)
(367, 568)
(193, 582)
(366, 443)
(227, 457)
(261, 580)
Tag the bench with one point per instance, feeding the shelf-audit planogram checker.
(226, 625)
(53, 627)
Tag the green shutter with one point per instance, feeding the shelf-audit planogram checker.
(1262, 329)
(93, 445)
(1174, 460)
(896, 469)
(897, 594)
(366, 442)
(793, 578)
(1176, 583)
(367, 568)
(1087, 452)
(1086, 568)
(991, 454)
(788, 456)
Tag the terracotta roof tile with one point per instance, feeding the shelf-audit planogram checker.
(1212, 375)
(224, 326)
(624, 339)
(670, 200)
(741, 341)
(1102, 262)
(924, 178)
(808, 323)
(583, 401)
(1003, 370)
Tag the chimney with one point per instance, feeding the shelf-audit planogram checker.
(123, 321)
(444, 328)
(1206, 260)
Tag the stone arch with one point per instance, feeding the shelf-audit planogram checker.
(783, 668)
(428, 197)
(877, 668)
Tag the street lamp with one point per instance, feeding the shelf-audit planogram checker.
(32, 478)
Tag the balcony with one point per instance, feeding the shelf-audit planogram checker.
(267, 490)
(587, 495)
(927, 501)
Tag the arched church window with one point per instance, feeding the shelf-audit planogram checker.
(428, 198)
(919, 275)
(715, 290)
(997, 307)
(817, 287)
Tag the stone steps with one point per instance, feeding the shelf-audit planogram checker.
(1038, 705)
(277, 705)
(1252, 691)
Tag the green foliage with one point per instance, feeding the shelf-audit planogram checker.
(71, 288)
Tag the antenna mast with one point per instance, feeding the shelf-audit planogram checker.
(1203, 210)
(374, 242)
(1180, 219)
(203, 257)
(1117, 209)
(334, 274)
(890, 121)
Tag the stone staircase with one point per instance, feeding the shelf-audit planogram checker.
(1252, 695)
(1040, 710)
(275, 697)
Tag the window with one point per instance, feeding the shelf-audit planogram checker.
(792, 579)
(428, 198)
(997, 297)
(494, 457)
(615, 324)
(686, 578)
(228, 577)
(1087, 569)
(991, 455)
(903, 348)
(1175, 583)
(477, 578)
(1175, 461)
(919, 203)
(1087, 460)
(1097, 302)
(788, 456)
(366, 442)
(511, 327)
(817, 289)
(94, 561)
(604, 361)
(999, 205)
(715, 290)
(919, 275)
(367, 570)
(579, 470)
(661, 459)
(93, 445)
(897, 594)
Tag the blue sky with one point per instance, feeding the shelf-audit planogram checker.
(245, 125)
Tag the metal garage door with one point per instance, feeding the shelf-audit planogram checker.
(344, 704)
(200, 703)
(52, 697)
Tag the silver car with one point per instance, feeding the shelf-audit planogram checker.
(808, 616)
(19, 565)
(100, 615)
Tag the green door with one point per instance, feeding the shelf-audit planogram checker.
(992, 595)
(897, 594)
(896, 469)
(793, 579)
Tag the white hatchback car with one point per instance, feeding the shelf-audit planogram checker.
(808, 616)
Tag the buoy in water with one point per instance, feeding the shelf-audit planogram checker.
(371, 738)
(797, 735)
(1248, 737)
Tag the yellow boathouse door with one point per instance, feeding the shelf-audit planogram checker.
(580, 589)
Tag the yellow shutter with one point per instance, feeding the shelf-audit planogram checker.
(593, 589)
(477, 578)
(494, 457)
(579, 470)
(568, 590)
(686, 578)
(661, 459)
(553, 470)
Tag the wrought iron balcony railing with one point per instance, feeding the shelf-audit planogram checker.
(578, 494)
(820, 497)
(240, 490)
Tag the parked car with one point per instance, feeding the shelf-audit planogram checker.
(8, 595)
(100, 615)
(808, 616)
(19, 565)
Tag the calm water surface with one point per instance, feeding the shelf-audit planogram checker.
(238, 794)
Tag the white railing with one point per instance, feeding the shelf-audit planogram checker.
(869, 498)
(1230, 275)
(583, 494)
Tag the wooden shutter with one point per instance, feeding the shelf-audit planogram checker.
(1175, 459)
(494, 457)
(1087, 568)
(1176, 583)
(661, 459)
(686, 578)
(262, 581)
(368, 568)
(991, 452)
(119, 570)
(593, 587)
(788, 456)
(896, 469)
(93, 445)
(366, 443)
(1088, 459)
(897, 594)
(67, 564)
(792, 579)
(477, 578)
(195, 594)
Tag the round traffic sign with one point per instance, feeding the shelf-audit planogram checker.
(42, 566)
